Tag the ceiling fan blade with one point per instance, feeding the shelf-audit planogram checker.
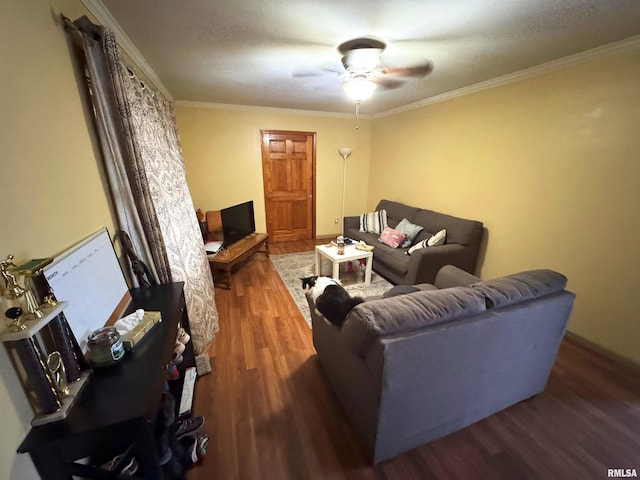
(316, 72)
(421, 70)
(388, 83)
(305, 74)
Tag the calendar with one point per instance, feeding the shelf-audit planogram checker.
(89, 277)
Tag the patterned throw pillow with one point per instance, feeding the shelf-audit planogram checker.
(392, 237)
(374, 222)
(411, 230)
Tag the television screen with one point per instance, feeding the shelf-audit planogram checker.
(237, 222)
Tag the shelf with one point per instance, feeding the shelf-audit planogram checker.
(33, 325)
(74, 391)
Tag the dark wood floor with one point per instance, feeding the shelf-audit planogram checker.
(270, 412)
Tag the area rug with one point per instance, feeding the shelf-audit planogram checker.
(293, 266)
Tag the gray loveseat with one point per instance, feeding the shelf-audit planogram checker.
(460, 249)
(412, 368)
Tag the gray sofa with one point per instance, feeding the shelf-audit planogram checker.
(412, 368)
(460, 249)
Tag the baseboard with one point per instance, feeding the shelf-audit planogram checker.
(602, 351)
(327, 237)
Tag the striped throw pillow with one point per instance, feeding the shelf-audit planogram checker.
(374, 222)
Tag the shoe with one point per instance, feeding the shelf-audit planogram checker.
(188, 425)
(201, 447)
(178, 348)
(128, 470)
(172, 372)
(183, 337)
(197, 448)
(177, 359)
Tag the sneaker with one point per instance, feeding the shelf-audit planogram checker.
(178, 348)
(129, 469)
(188, 425)
(201, 446)
(177, 359)
(172, 372)
(198, 448)
(183, 337)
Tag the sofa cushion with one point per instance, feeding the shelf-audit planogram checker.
(400, 290)
(520, 287)
(459, 230)
(411, 230)
(405, 313)
(392, 257)
(397, 211)
(374, 222)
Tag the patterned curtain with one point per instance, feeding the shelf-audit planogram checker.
(143, 163)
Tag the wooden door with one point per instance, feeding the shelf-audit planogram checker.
(288, 166)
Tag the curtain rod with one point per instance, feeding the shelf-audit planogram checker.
(86, 27)
(83, 25)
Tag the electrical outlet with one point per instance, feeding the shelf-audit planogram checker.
(335, 220)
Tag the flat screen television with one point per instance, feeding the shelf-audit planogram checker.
(238, 221)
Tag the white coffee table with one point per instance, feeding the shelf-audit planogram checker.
(350, 253)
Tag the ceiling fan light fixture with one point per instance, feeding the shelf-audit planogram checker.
(362, 59)
(359, 88)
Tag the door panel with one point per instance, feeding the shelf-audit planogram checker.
(288, 165)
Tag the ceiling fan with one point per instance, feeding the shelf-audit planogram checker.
(364, 71)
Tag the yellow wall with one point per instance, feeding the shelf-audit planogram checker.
(51, 186)
(551, 166)
(221, 150)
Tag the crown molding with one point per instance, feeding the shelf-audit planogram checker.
(253, 108)
(105, 18)
(631, 43)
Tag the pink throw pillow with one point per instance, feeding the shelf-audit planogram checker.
(391, 237)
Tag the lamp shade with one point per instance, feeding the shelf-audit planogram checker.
(359, 88)
(344, 152)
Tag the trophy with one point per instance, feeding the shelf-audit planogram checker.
(12, 290)
(15, 314)
(42, 348)
(30, 270)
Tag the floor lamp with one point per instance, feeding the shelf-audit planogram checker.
(344, 152)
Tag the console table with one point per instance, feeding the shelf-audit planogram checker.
(118, 406)
(238, 252)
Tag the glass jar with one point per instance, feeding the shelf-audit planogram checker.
(105, 347)
(340, 243)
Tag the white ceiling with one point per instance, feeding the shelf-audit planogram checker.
(266, 53)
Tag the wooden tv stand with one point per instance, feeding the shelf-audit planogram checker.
(238, 252)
